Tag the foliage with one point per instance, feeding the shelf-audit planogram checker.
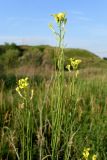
(12, 55)
(85, 115)
(105, 58)
(8, 80)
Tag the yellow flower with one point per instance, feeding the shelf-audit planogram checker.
(23, 83)
(68, 67)
(94, 157)
(78, 61)
(86, 153)
(75, 63)
(22, 86)
(60, 17)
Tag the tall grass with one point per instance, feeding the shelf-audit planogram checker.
(40, 130)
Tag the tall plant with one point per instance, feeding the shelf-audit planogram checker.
(57, 108)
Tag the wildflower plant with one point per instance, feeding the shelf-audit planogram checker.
(59, 33)
(57, 109)
(22, 88)
(26, 93)
(74, 64)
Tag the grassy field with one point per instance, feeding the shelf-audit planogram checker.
(53, 125)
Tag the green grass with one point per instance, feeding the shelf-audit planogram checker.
(33, 131)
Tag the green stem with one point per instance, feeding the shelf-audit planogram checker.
(40, 153)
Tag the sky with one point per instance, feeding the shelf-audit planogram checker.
(26, 22)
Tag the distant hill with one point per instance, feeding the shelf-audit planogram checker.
(42, 56)
(88, 58)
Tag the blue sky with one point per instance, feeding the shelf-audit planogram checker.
(26, 22)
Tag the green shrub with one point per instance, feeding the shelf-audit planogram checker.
(8, 46)
(10, 57)
(8, 80)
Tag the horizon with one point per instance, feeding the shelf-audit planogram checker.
(26, 22)
(29, 45)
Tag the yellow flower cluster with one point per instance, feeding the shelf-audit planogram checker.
(68, 67)
(60, 17)
(86, 153)
(73, 63)
(22, 85)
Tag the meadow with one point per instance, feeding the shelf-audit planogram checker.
(51, 111)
